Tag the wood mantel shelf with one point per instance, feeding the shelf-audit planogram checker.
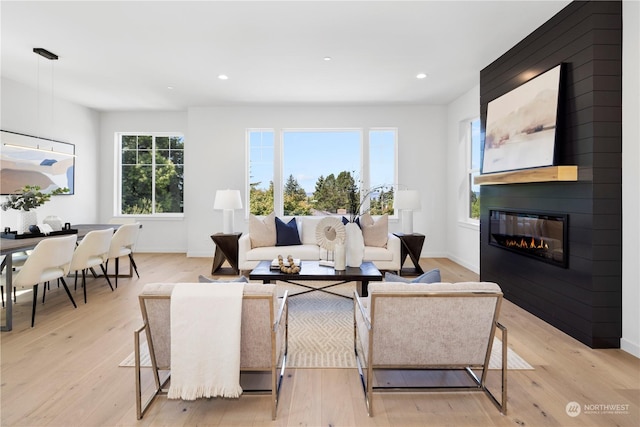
(545, 174)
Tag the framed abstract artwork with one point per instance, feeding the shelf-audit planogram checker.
(521, 127)
(31, 160)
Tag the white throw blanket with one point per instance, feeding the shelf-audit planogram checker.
(205, 340)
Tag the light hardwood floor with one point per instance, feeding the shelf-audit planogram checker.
(64, 372)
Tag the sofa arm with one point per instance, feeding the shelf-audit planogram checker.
(244, 246)
(394, 246)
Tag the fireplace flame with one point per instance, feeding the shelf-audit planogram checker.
(525, 244)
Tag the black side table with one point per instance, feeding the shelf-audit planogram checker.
(412, 246)
(226, 249)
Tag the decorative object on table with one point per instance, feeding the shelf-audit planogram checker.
(355, 245)
(340, 257)
(330, 232)
(26, 201)
(54, 222)
(291, 268)
(227, 201)
(358, 205)
(407, 201)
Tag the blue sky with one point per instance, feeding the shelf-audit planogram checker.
(309, 154)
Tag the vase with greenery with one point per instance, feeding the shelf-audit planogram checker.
(26, 201)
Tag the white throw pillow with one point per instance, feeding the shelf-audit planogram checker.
(262, 231)
(375, 233)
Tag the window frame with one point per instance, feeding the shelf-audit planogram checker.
(117, 208)
(470, 171)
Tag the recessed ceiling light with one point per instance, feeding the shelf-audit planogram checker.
(327, 58)
(170, 87)
(223, 77)
(422, 76)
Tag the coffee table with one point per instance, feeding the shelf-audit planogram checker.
(313, 271)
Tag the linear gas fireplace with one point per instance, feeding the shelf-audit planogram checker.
(535, 234)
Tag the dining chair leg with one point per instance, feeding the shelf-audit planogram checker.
(2, 293)
(44, 290)
(68, 293)
(117, 270)
(75, 282)
(33, 309)
(135, 267)
(84, 284)
(104, 271)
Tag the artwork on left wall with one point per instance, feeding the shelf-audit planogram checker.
(32, 160)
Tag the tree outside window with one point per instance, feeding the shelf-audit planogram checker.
(151, 174)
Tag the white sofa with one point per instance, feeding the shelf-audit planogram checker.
(387, 258)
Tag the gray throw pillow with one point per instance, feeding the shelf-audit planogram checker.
(204, 279)
(432, 276)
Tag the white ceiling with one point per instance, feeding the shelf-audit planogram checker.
(119, 55)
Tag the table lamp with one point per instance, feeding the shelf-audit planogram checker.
(407, 201)
(227, 201)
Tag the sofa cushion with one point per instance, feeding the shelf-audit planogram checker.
(303, 252)
(431, 276)
(309, 225)
(375, 232)
(287, 233)
(262, 231)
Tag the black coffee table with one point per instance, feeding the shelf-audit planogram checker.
(313, 271)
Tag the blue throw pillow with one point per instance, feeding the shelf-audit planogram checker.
(287, 234)
(241, 279)
(432, 276)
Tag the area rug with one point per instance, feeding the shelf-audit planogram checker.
(321, 331)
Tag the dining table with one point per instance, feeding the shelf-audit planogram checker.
(10, 246)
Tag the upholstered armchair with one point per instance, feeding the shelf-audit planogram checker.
(438, 326)
(263, 346)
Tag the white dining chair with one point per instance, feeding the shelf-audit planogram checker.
(92, 251)
(50, 260)
(122, 244)
(17, 261)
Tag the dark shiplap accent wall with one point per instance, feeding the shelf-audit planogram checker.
(585, 299)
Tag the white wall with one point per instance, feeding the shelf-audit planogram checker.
(216, 159)
(463, 242)
(630, 177)
(158, 235)
(63, 121)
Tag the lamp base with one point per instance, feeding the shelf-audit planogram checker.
(407, 221)
(227, 221)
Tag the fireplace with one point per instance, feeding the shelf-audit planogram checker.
(539, 235)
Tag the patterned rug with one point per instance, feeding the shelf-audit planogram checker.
(321, 331)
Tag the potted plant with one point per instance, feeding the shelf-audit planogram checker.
(26, 201)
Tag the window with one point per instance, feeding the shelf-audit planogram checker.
(319, 169)
(473, 170)
(261, 167)
(151, 179)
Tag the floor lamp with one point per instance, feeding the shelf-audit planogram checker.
(407, 201)
(227, 201)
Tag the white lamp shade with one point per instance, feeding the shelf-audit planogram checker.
(227, 199)
(406, 200)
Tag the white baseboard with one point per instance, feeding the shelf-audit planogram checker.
(466, 265)
(630, 347)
